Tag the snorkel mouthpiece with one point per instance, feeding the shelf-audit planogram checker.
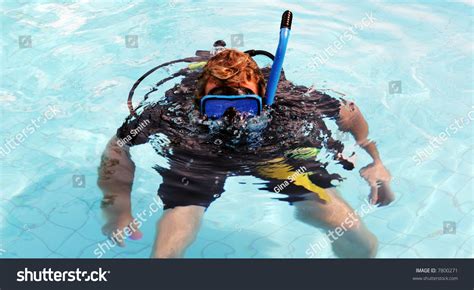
(285, 28)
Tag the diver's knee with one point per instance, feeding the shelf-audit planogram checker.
(182, 234)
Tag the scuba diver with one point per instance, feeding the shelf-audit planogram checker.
(228, 117)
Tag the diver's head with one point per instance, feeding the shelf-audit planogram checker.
(231, 70)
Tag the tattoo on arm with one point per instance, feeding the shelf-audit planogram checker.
(108, 200)
(115, 175)
(107, 165)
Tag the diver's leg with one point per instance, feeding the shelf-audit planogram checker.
(186, 191)
(176, 230)
(356, 241)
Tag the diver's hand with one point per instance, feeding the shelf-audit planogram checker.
(120, 223)
(119, 227)
(378, 178)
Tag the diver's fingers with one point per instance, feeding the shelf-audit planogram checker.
(374, 194)
(108, 231)
(136, 235)
(385, 202)
(388, 195)
(119, 240)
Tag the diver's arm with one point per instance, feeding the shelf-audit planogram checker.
(116, 173)
(351, 120)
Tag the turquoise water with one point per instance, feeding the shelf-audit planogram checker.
(78, 61)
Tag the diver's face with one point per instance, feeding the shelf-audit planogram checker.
(249, 85)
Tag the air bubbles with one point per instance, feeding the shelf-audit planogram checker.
(189, 163)
(175, 108)
(335, 182)
(177, 121)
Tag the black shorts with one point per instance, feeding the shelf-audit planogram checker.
(187, 185)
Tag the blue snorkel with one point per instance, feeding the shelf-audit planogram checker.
(272, 84)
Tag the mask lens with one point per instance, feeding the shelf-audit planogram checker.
(216, 107)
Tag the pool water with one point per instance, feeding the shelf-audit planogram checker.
(67, 67)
